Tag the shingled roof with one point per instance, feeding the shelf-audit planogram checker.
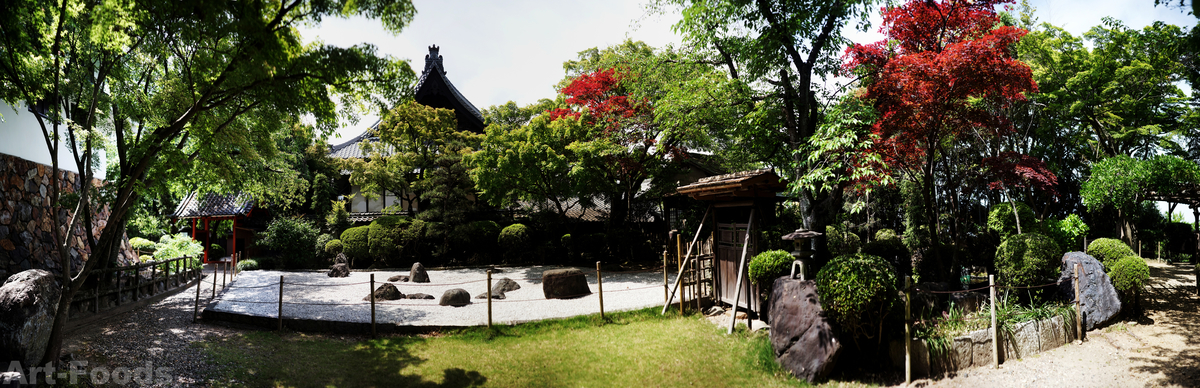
(745, 184)
(214, 205)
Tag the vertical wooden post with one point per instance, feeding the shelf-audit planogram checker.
(224, 270)
(666, 283)
(373, 332)
(489, 296)
(153, 278)
(96, 296)
(600, 287)
(1078, 307)
(907, 330)
(196, 311)
(737, 289)
(137, 281)
(995, 334)
(279, 313)
(214, 290)
(696, 281)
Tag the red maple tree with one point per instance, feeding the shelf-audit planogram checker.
(943, 75)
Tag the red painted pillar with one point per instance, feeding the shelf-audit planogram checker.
(234, 243)
(207, 239)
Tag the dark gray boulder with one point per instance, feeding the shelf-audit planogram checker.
(564, 283)
(499, 288)
(455, 297)
(28, 302)
(418, 274)
(398, 278)
(420, 296)
(386, 291)
(341, 259)
(1100, 302)
(801, 336)
(339, 270)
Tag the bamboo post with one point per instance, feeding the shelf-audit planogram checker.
(907, 330)
(1078, 307)
(372, 305)
(695, 262)
(279, 314)
(995, 335)
(196, 311)
(489, 297)
(600, 287)
(224, 271)
(214, 290)
(666, 283)
(737, 289)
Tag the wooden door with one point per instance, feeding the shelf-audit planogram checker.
(730, 239)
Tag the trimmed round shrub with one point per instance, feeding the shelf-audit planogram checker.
(145, 258)
(885, 235)
(514, 237)
(1028, 259)
(293, 240)
(354, 243)
(247, 265)
(856, 291)
(333, 247)
(1129, 274)
(142, 245)
(1001, 220)
(323, 239)
(1109, 250)
(383, 236)
(177, 245)
(767, 266)
(842, 241)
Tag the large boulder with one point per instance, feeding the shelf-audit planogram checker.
(341, 259)
(801, 336)
(1100, 301)
(455, 297)
(28, 302)
(418, 274)
(499, 288)
(386, 291)
(339, 270)
(564, 283)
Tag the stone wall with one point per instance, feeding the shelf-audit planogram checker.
(26, 237)
(974, 349)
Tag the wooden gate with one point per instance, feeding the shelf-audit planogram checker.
(730, 238)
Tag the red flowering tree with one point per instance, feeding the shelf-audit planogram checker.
(940, 79)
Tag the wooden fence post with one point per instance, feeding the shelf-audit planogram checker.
(907, 330)
(214, 290)
(153, 278)
(995, 334)
(666, 283)
(489, 296)
(196, 311)
(600, 286)
(279, 314)
(96, 296)
(1078, 307)
(373, 332)
(137, 281)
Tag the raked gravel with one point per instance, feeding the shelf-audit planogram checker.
(313, 295)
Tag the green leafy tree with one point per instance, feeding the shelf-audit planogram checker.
(176, 86)
(534, 163)
(1123, 183)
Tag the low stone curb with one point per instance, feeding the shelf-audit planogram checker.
(974, 349)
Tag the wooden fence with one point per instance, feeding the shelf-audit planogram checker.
(116, 286)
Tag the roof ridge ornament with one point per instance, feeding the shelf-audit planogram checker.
(432, 58)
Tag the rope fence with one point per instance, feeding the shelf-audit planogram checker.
(280, 284)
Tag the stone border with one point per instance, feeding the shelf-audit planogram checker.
(974, 349)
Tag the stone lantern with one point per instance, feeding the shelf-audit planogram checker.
(802, 249)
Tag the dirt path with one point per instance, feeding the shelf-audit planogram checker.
(1161, 349)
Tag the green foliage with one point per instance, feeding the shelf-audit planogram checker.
(857, 291)
(1123, 182)
(293, 240)
(1027, 259)
(886, 234)
(842, 241)
(766, 266)
(337, 220)
(247, 265)
(1068, 231)
(322, 240)
(533, 162)
(141, 244)
(382, 237)
(333, 247)
(355, 244)
(1109, 250)
(891, 249)
(1129, 274)
(145, 258)
(514, 238)
(178, 245)
(1002, 221)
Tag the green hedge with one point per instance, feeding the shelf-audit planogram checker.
(1109, 250)
(354, 243)
(514, 237)
(1129, 274)
(383, 236)
(886, 234)
(333, 247)
(842, 241)
(856, 291)
(142, 244)
(1001, 220)
(767, 266)
(1028, 259)
(293, 240)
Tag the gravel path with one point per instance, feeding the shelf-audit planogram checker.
(1161, 349)
(313, 295)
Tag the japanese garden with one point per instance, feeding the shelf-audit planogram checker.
(837, 193)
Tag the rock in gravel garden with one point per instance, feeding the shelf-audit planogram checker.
(339, 270)
(398, 278)
(341, 259)
(387, 291)
(28, 301)
(499, 288)
(418, 274)
(455, 297)
(803, 340)
(564, 283)
(420, 296)
(1100, 301)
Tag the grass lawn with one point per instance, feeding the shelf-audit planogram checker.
(632, 349)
